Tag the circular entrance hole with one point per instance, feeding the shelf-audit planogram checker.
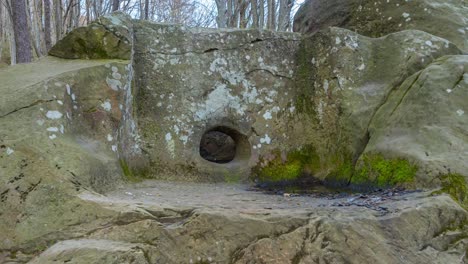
(224, 145)
(218, 147)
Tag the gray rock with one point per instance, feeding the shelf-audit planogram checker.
(109, 37)
(444, 18)
(425, 120)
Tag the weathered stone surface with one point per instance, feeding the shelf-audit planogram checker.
(190, 81)
(305, 110)
(72, 133)
(444, 18)
(237, 226)
(108, 37)
(425, 120)
(341, 80)
(93, 251)
(59, 123)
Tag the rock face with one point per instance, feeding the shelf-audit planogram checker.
(434, 134)
(106, 38)
(190, 81)
(446, 19)
(335, 106)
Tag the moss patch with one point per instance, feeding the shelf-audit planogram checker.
(128, 173)
(456, 186)
(296, 164)
(376, 170)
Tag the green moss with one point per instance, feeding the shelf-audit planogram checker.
(342, 174)
(232, 177)
(375, 170)
(129, 175)
(297, 163)
(456, 186)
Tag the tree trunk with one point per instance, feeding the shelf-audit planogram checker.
(254, 11)
(88, 11)
(243, 20)
(58, 19)
(261, 14)
(284, 14)
(221, 20)
(21, 31)
(115, 5)
(271, 15)
(146, 9)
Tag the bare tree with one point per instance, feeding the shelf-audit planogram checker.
(115, 5)
(271, 14)
(284, 14)
(146, 9)
(21, 31)
(48, 40)
(221, 19)
(254, 11)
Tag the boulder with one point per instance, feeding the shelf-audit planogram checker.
(109, 37)
(443, 18)
(424, 120)
(342, 78)
(59, 123)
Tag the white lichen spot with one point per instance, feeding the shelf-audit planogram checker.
(325, 86)
(54, 115)
(62, 129)
(52, 129)
(184, 139)
(113, 84)
(428, 43)
(114, 148)
(267, 116)
(337, 41)
(40, 122)
(170, 145)
(53, 136)
(176, 129)
(247, 57)
(405, 15)
(73, 97)
(106, 106)
(449, 90)
(217, 63)
(110, 137)
(259, 145)
(9, 151)
(114, 69)
(68, 89)
(460, 112)
(266, 139)
(59, 102)
(116, 75)
(362, 67)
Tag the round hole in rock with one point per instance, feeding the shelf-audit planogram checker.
(217, 146)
